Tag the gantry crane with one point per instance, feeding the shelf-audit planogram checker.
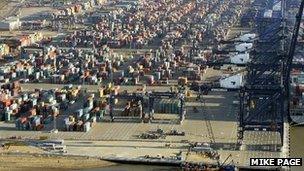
(264, 99)
(158, 95)
(291, 52)
(136, 97)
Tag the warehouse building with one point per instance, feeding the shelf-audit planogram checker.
(9, 24)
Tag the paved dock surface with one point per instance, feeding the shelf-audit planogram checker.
(124, 136)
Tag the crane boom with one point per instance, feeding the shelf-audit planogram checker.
(293, 42)
(291, 52)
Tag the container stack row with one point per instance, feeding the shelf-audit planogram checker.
(31, 111)
(83, 118)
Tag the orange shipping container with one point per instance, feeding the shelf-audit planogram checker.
(78, 8)
(32, 112)
(147, 70)
(6, 103)
(87, 73)
(16, 84)
(55, 113)
(52, 54)
(103, 105)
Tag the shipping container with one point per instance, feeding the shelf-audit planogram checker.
(87, 127)
(79, 113)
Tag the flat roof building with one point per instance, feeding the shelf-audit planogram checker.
(9, 24)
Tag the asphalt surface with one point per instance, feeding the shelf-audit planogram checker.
(121, 139)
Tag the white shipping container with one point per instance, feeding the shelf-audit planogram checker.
(232, 82)
(19, 100)
(13, 106)
(53, 102)
(93, 119)
(34, 102)
(41, 73)
(33, 95)
(63, 97)
(277, 6)
(62, 77)
(247, 37)
(30, 71)
(268, 14)
(87, 126)
(167, 65)
(50, 98)
(240, 58)
(14, 75)
(37, 75)
(67, 123)
(77, 70)
(4, 70)
(243, 47)
(94, 78)
(25, 97)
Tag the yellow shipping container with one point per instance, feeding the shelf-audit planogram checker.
(74, 93)
(101, 92)
(4, 49)
(109, 86)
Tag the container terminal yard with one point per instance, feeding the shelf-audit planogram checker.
(193, 85)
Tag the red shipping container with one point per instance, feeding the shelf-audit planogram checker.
(147, 70)
(23, 119)
(39, 61)
(39, 127)
(15, 111)
(103, 105)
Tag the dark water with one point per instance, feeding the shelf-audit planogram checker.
(126, 167)
(297, 145)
